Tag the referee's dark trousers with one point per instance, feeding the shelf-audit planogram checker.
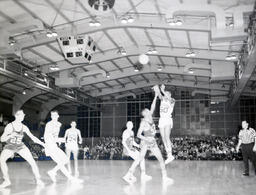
(248, 153)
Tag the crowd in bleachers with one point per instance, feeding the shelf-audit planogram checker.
(184, 148)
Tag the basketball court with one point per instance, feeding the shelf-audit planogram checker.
(105, 177)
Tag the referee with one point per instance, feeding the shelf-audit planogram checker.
(247, 139)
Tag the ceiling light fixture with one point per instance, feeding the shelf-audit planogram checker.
(124, 21)
(130, 19)
(54, 67)
(179, 22)
(11, 41)
(121, 51)
(149, 51)
(54, 34)
(24, 92)
(136, 69)
(107, 75)
(49, 34)
(95, 23)
(159, 68)
(190, 71)
(190, 53)
(174, 21)
(154, 51)
(231, 57)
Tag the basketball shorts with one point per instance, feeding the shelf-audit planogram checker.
(163, 122)
(149, 145)
(15, 148)
(133, 153)
(57, 155)
(72, 146)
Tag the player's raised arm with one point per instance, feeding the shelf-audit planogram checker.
(153, 105)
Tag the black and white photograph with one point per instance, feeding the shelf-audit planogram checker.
(127, 97)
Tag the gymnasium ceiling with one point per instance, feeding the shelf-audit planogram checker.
(212, 29)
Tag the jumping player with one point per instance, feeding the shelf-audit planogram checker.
(148, 141)
(51, 133)
(165, 121)
(129, 150)
(70, 138)
(13, 135)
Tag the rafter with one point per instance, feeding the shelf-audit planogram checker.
(116, 65)
(145, 78)
(131, 37)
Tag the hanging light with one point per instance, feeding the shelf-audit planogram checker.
(149, 51)
(107, 75)
(159, 68)
(124, 21)
(233, 57)
(178, 22)
(121, 51)
(54, 34)
(24, 92)
(91, 23)
(130, 19)
(190, 71)
(228, 57)
(190, 53)
(154, 51)
(49, 34)
(11, 41)
(97, 23)
(174, 22)
(136, 69)
(171, 21)
(25, 73)
(54, 67)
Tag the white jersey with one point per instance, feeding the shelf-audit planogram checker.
(166, 108)
(72, 139)
(72, 135)
(51, 133)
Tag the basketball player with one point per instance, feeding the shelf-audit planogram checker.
(13, 135)
(129, 150)
(148, 141)
(165, 121)
(51, 133)
(70, 138)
